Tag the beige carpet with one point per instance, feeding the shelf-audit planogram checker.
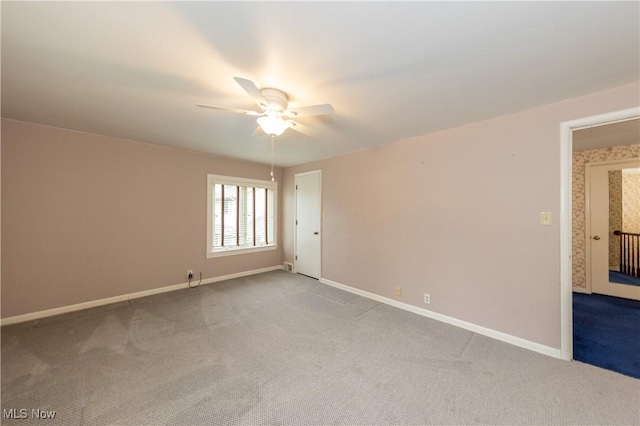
(279, 348)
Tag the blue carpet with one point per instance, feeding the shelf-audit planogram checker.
(620, 278)
(606, 332)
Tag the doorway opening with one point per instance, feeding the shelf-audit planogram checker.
(573, 267)
(612, 218)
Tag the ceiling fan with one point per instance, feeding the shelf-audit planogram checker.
(275, 116)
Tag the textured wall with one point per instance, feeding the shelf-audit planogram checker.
(579, 241)
(631, 202)
(615, 215)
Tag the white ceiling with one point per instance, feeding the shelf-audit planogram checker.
(392, 70)
(609, 135)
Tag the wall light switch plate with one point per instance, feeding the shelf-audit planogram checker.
(545, 218)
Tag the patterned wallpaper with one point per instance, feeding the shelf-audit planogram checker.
(631, 202)
(615, 215)
(578, 184)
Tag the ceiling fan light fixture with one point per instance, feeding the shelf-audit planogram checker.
(274, 106)
(273, 125)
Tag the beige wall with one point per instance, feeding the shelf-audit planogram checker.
(86, 217)
(456, 214)
(578, 220)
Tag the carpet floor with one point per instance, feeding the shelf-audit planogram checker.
(620, 278)
(279, 348)
(606, 332)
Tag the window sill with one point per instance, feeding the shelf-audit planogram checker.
(234, 251)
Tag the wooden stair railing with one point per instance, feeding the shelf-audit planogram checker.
(629, 253)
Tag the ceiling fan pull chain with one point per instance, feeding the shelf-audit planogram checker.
(272, 177)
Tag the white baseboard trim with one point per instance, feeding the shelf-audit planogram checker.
(115, 299)
(580, 290)
(498, 335)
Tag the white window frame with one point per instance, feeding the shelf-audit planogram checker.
(212, 180)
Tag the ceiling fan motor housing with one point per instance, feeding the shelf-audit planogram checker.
(277, 100)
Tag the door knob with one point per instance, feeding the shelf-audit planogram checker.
(596, 238)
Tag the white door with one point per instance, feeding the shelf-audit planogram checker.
(307, 244)
(603, 244)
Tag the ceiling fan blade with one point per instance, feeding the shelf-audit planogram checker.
(301, 128)
(228, 109)
(253, 91)
(258, 132)
(324, 109)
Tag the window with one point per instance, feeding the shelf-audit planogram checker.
(240, 215)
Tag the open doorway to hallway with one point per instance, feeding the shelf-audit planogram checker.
(605, 227)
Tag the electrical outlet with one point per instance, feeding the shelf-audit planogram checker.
(398, 291)
(427, 298)
(190, 273)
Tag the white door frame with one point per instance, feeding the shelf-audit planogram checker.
(295, 215)
(566, 151)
